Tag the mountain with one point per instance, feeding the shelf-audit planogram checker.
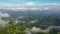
(46, 15)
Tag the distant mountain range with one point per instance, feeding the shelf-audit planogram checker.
(32, 7)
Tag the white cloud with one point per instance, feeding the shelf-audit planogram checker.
(4, 15)
(33, 21)
(54, 4)
(2, 22)
(28, 6)
(27, 31)
(29, 3)
(46, 8)
(36, 30)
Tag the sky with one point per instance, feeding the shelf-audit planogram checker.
(28, 2)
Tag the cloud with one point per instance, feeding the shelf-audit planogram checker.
(36, 30)
(33, 21)
(30, 3)
(46, 8)
(19, 4)
(30, 6)
(2, 22)
(4, 15)
(27, 31)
